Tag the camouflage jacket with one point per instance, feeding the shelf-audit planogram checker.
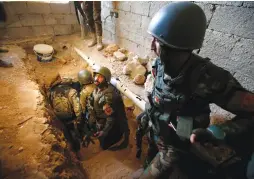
(102, 107)
(65, 100)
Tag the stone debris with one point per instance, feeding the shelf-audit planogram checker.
(120, 56)
(139, 79)
(122, 50)
(127, 70)
(142, 61)
(134, 68)
(21, 149)
(108, 52)
(138, 70)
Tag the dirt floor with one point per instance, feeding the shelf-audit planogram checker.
(31, 144)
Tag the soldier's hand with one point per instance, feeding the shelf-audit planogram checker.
(201, 135)
(87, 141)
(99, 134)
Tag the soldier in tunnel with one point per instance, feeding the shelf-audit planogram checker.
(185, 85)
(106, 111)
(64, 96)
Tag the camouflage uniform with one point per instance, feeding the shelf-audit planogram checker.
(188, 96)
(65, 103)
(106, 110)
(85, 92)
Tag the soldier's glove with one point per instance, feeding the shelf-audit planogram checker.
(88, 140)
(201, 135)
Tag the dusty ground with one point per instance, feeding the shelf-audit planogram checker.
(29, 146)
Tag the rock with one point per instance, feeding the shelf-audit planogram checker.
(21, 149)
(138, 70)
(139, 79)
(127, 70)
(108, 52)
(122, 50)
(133, 68)
(10, 146)
(63, 61)
(142, 61)
(119, 56)
(149, 83)
(130, 56)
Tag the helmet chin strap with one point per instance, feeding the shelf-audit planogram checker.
(173, 60)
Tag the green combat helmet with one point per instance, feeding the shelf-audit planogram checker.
(104, 71)
(85, 77)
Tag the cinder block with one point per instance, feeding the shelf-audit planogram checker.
(121, 32)
(38, 7)
(124, 5)
(108, 4)
(13, 21)
(109, 26)
(155, 6)
(31, 20)
(144, 24)
(148, 42)
(104, 13)
(138, 39)
(60, 8)
(228, 3)
(217, 46)
(59, 18)
(130, 22)
(72, 7)
(43, 30)
(75, 28)
(140, 7)
(49, 19)
(22, 32)
(62, 29)
(246, 81)
(243, 56)
(234, 20)
(69, 19)
(248, 4)
(17, 7)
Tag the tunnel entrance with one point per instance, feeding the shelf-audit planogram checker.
(61, 160)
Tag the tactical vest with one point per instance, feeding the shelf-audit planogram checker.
(59, 97)
(174, 97)
(117, 104)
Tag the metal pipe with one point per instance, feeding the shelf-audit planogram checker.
(137, 100)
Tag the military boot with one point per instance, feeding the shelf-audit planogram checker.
(94, 41)
(99, 43)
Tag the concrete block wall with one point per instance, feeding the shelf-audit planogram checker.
(229, 39)
(31, 19)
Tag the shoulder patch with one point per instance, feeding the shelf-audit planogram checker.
(107, 109)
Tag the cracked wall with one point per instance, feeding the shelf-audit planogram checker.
(33, 19)
(229, 39)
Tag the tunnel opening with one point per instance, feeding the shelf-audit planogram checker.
(62, 162)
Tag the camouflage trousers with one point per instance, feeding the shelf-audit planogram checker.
(162, 160)
(92, 10)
